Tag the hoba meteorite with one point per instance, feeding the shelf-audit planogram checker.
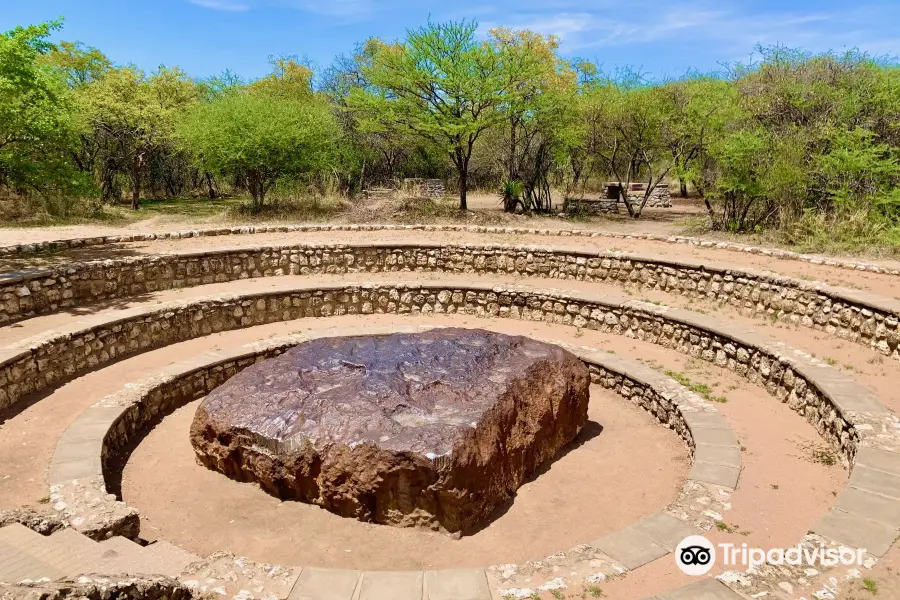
(433, 429)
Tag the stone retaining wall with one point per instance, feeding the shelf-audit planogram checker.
(826, 402)
(119, 417)
(844, 413)
(863, 318)
(776, 253)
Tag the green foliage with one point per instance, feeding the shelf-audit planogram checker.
(259, 138)
(35, 116)
(443, 85)
(133, 116)
(805, 145)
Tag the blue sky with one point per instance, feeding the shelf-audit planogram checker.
(663, 37)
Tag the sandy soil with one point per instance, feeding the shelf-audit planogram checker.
(782, 489)
(484, 209)
(775, 447)
(572, 501)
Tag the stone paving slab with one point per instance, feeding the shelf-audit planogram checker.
(846, 394)
(64, 472)
(729, 456)
(708, 589)
(665, 530)
(714, 436)
(457, 584)
(72, 451)
(880, 460)
(723, 475)
(325, 584)
(879, 482)
(699, 419)
(871, 506)
(391, 585)
(630, 548)
(856, 531)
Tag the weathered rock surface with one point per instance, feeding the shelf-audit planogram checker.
(433, 429)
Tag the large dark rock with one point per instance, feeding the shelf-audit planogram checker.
(433, 429)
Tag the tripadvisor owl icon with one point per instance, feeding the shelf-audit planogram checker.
(695, 555)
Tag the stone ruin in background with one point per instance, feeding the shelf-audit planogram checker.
(424, 188)
(610, 199)
(410, 188)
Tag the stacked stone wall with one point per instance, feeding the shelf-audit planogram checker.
(862, 318)
(50, 362)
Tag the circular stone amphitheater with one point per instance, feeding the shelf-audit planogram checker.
(743, 394)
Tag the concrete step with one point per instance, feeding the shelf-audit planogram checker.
(119, 555)
(25, 554)
(168, 558)
(76, 542)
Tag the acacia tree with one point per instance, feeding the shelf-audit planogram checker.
(441, 84)
(539, 114)
(136, 114)
(258, 138)
(35, 113)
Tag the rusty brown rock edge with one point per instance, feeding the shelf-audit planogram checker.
(454, 493)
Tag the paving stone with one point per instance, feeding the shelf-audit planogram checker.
(714, 436)
(64, 472)
(718, 455)
(391, 585)
(67, 451)
(708, 589)
(630, 548)
(457, 584)
(723, 475)
(878, 482)
(880, 460)
(856, 531)
(849, 396)
(325, 584)
(871, 506)
(698, 419)
(665, 530)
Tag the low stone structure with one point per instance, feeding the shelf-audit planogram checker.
(432, 430)
(861, 317)
(705, 495)
(699, 505)
(660, 197)
(424, 188)
(62, 245)
(143, 587)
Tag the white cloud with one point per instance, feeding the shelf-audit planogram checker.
(349, 9)
(344, 9)
(581, 25)
(224, 5)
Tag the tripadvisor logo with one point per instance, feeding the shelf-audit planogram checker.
(696, 555)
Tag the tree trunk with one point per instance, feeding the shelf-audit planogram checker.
(513, 171)
(136, 181)
(461, 160)
(463, 182)
(257, 189)
(211, 191)
(682, 185)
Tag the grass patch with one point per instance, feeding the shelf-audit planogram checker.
(822, 455)
(871, 585)
(698, 388)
